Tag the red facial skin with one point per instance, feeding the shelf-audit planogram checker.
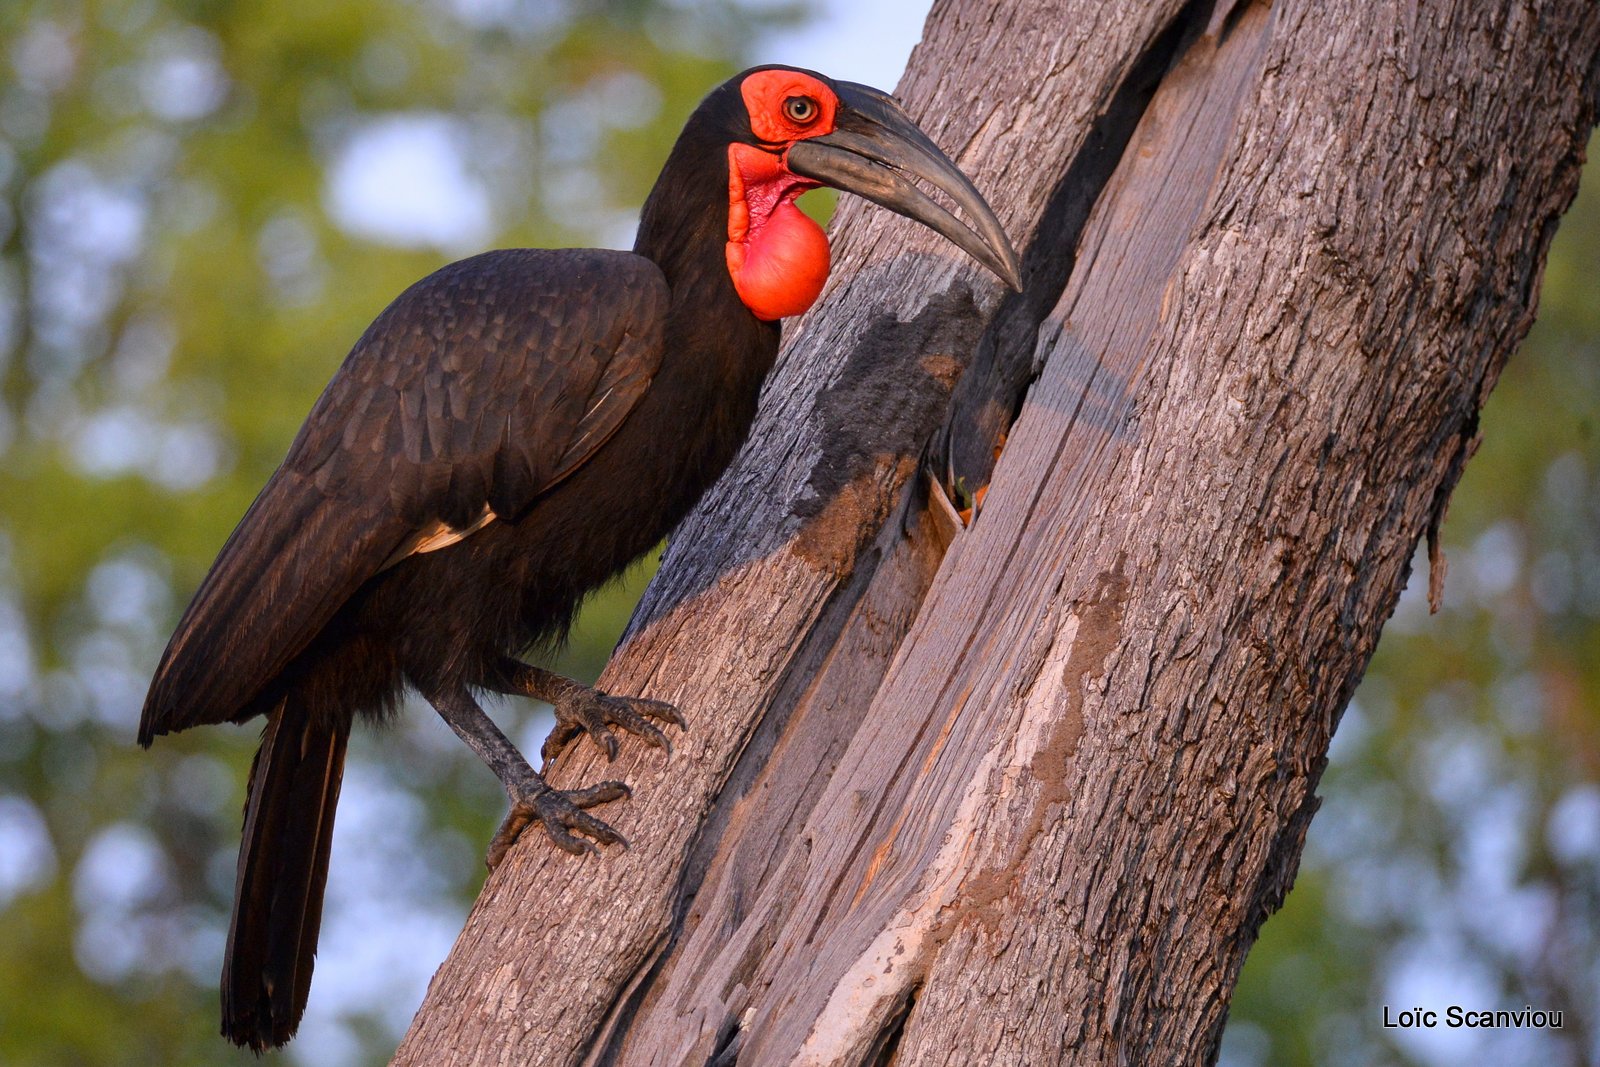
(777, 257)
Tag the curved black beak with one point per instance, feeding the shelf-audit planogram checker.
(875, 150)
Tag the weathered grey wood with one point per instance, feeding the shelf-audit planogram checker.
(1027, 800)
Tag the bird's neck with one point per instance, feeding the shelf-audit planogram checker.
(713, 338)
(684, 218)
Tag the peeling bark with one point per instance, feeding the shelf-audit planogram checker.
(1024, 792)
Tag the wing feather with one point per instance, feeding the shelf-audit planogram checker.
(477, 390)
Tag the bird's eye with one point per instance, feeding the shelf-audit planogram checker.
(800, 109)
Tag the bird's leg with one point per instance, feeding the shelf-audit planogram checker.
(559, 811)
(580, 709)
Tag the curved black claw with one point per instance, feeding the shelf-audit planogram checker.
(560, 812)
(587, 711)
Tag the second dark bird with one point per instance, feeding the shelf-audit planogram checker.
(511, 433)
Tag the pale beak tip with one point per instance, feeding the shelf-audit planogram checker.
(1013, 276)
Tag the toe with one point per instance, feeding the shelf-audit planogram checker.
(605, 739)
(639, 726)
(630, 714)
(566, 731)
(562, 815)
(567, 842)
(511, 829)
(560, 737)
(602, 793)
(602, 832)
(660, 709)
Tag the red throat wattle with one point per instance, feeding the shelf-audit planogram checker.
(778, 257)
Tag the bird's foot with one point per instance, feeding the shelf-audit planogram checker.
(581, 710)
(560, 812)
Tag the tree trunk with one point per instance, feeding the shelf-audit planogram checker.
(1022, 792)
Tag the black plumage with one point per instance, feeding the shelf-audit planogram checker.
(509, 434)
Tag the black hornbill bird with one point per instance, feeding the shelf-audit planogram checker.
(509, 434)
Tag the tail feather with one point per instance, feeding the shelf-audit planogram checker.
(283, 869)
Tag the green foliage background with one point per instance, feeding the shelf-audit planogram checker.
(176, 284)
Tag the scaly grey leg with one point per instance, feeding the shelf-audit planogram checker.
(559, 811)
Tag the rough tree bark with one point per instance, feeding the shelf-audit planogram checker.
(1023, 792)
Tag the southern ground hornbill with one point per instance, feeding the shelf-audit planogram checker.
(511, 433)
